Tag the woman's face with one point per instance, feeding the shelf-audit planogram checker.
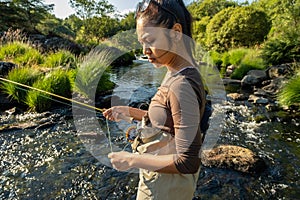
(156, 45)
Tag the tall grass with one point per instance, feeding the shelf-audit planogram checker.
(11, 50)
(250, 61)
(290, 93)
(20, 53)
(31, 57)
(56, 82)
(92, 72)
(60, 58)
(22, 75)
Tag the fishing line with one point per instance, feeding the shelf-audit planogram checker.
(52, 94)
(64, 98)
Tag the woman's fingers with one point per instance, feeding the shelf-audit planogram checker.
(116, 113)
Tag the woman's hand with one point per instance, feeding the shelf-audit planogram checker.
(121, 161)
(117, 113)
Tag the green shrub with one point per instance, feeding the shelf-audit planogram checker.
(22, 75)
(281, 50)
(60, 58)
(56, 82)
(213, 27)
(239, 27)
(290, 93)
(251, 61)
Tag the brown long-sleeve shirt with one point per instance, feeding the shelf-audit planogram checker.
(177, 108)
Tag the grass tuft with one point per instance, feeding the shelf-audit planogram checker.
(23, 75)
(56, 82)
(60, 58)
(290, 93)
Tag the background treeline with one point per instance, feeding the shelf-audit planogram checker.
(219, 25)
(93, 21)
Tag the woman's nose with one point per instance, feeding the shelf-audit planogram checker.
(146, 49)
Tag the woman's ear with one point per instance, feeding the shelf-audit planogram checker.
(177, 31)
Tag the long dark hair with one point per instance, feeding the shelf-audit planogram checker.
(159, 17)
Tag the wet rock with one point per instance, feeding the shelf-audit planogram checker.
(228, 81)
(278, 71)
(229, 70)
(233, 157)
(254, 77)
(258, 100)
(260, 92)
(274, 85)
(259, 74)
(5, 67)
(237, 96)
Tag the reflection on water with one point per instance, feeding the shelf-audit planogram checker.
(52, 163)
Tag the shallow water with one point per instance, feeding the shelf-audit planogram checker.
(52, 162)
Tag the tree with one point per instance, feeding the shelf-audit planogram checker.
(215, 24)
(24, 14)
(128, 22)
(91, 8)
(203, 11)
(96, 24)
(245, 26)
(203, 8)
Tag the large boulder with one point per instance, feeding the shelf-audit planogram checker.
(54, 43)
(254, 77)
(233, 157)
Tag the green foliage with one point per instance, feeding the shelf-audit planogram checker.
(31, 57)
(281, 50)
(241, 27)
(251, 61)
(89, 8)
(124, 40)
(92, 72)
(56, 82)
(22, 75)
(96, 29)
(237, 55)
(199, 30)
(128, 22)
(290, 93)
(215, 24)
(23, 14)
(216, 58)
(54, 26)
(209, 8)
(60, 58)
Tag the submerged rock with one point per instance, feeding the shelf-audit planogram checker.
(233, 157)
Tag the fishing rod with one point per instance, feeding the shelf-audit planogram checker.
(52, 94)
(67, 99)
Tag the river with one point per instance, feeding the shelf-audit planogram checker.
(52, 162)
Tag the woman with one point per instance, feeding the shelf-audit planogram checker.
(167, 149)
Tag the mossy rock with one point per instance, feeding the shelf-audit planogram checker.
(233, 157)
